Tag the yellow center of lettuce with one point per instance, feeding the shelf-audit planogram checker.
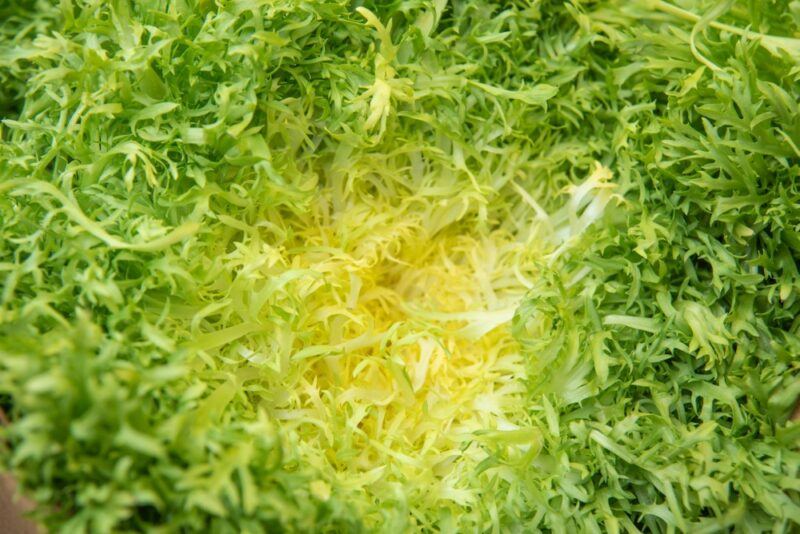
(407, 357)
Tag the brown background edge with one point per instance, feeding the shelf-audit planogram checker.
(14, 506)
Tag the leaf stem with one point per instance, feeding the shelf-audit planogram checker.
(770, 42)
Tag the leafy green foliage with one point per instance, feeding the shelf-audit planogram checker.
(413, 265)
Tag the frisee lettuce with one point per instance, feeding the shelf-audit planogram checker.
(421, 265)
